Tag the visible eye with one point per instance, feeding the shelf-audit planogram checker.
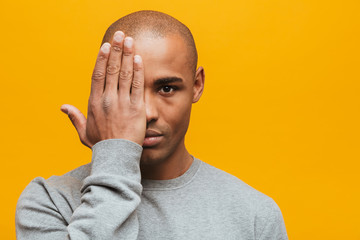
(167, 89)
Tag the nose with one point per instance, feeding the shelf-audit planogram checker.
(152, 114)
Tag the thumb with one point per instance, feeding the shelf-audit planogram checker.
(78, 120)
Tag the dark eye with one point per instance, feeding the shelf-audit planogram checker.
(167, 89)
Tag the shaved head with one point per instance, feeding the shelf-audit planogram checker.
(154, 24)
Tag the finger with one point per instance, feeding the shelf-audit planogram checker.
(114, 63)
(98, 76)
(77, 119)
(137, 86)
(126, 71)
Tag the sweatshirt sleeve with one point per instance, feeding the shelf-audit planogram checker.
(110, 195)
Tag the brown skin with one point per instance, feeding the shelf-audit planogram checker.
(163, 108)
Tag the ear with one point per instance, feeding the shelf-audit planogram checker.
(198, 84)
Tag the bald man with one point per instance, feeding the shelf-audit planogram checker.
(142, 183)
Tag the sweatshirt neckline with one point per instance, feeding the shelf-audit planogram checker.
(182, 180)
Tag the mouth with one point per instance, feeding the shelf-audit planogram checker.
(152, 138)
(152, 141)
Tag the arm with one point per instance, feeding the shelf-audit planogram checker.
(109, 198)
(111, 193)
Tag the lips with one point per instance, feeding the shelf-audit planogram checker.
(152, 138)
(152, 133)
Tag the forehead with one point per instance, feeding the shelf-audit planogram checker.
(164, 57)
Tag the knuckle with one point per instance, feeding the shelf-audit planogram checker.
(102, 57)
(126, 75)
(92, 104)
(128, 52)
(116, 48)
(112, 69)
(137, 68)
(136, 84)
(137, 103)
(107, 102)
(98, 75)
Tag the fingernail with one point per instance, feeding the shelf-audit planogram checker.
(128, 42)
(137, 59)
(105, 48)
(118, 36)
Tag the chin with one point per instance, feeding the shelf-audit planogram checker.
(151, 156)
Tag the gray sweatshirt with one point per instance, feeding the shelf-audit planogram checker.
(107, 199)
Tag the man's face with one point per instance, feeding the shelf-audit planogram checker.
(169, 94)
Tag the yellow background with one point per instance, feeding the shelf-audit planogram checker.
(280, 108)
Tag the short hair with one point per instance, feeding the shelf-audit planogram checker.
(158, 25)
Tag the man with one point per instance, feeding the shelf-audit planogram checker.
(142, 183)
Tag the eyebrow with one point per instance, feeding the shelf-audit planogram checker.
(166, 80)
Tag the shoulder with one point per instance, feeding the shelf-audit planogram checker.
(226, 183)
(242, 197)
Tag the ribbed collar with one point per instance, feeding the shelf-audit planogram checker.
(149, 184)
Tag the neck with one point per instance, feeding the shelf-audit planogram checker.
(173, 166)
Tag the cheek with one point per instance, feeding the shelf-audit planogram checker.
(176, 114)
